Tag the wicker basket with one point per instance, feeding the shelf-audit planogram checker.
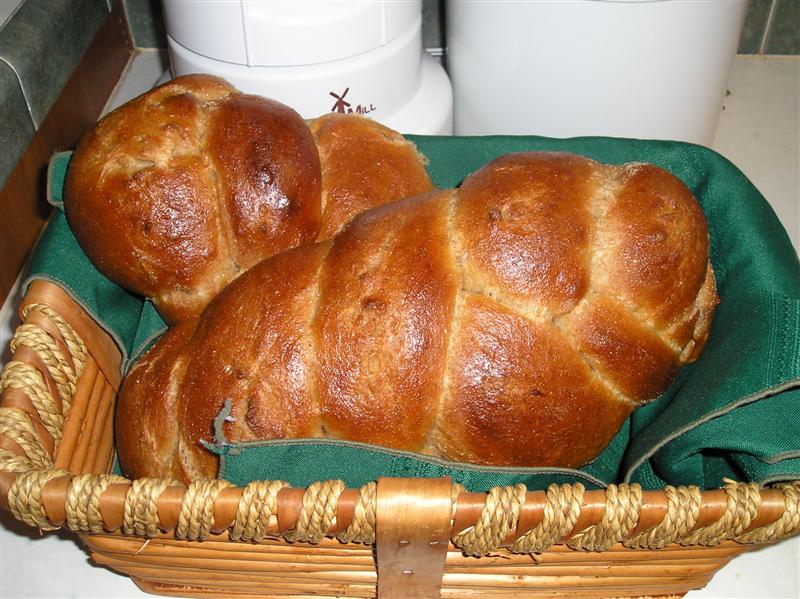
(430, 537)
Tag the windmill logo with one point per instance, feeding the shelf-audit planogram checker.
(341, 104)
(344, 107)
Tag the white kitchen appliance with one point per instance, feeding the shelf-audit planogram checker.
(364, 57)
(629, 68)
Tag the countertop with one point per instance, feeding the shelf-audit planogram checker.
(759, 131)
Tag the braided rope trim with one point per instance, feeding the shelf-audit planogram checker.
(14, 463)
(16, 425)
(258, 504)
(623, 504)
(140, 512)
(362, 526)
(75, 345)
(742, 503)
(560, 514)
(26, 378)
(683, 507)
(25, 497)
(196, 517)
(499, 517)
(318, 513)
(59, 368)
(82, 508)
(788, 524)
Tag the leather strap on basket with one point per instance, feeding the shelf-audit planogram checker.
(413, 523)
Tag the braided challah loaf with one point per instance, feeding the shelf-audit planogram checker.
(516, 321)
(180, 190)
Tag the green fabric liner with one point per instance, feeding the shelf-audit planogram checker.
(305, 461)
(734, 413)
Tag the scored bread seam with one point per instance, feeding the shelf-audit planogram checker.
(601, 200)
(313, 347)
(224, 224)
(597, 206)
(433, 437)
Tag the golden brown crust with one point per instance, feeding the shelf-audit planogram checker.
(448, 324)
(177, 192)
(139, 195)
(700, 318)
(657, 242)
(628, 354)
(269, 177)
(252, 348)
(383, 326)
(520, 395)
(147, 431)
(524, 225)
(364, 165)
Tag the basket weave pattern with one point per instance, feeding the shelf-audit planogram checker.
(56, 447)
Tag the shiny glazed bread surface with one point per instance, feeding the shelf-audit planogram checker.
(515, 321)
(179, 191)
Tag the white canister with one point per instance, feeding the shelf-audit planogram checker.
(364, 57)
(653, 69)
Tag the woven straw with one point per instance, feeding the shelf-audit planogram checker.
(499, 517)
(258, 504)
(560, 514)
(682, 510)
(362, 527)
(788, 524)
(26, 378)
(83, 501)
(77, 348)
(742, 505)
(623, 503)
(141, 506)
(319, 512)
(197, 514)
(25, 497)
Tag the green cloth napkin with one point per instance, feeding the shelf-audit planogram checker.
(734, 413)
